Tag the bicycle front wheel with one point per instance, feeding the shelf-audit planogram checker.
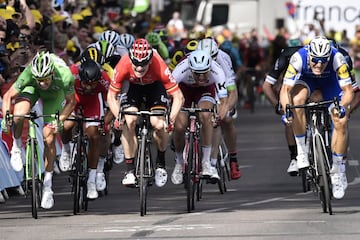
(35, 191)
(142, 179)
(324, 176)
(189, 169)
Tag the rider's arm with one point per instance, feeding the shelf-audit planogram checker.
(69, 106)
(113, 102)
(269, 92)
(177, 103)
(8, 96)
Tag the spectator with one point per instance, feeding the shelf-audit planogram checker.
(176, 27)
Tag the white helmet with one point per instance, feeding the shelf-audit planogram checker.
(42, 65)
(209, 45)
(200, 61)
(110, 36)
(126, 40)
(320, 47)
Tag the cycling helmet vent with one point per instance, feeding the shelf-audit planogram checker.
(110, 36)
(126, 40)
(200, 61)
(106, 48)
(42, 65)
(320, 47)
(93, 53)
(89, 71)
(140, 52)
(209, 45)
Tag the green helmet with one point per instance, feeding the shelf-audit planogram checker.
(42, 65)
(105, 47)
(153, 38)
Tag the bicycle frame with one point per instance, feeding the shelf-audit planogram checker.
(192, 156)
(33, 162)
(79, 154)
(319, 144)
(144, 170)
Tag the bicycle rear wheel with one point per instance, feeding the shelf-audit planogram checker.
(324, 177)
(76, 180)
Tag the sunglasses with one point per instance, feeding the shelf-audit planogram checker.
(139, 64)
(2, 39)
(322, 60)
(44, 79)
(201, 73)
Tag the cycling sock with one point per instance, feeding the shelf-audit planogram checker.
(129, 164)
(293, 151)
(179, 157)
(300, 143)
(160, 161)
(92, 175)
(213, 162)
(100, 165)
(233, 157)
(48, 179)
(338, 163)
(206, 150)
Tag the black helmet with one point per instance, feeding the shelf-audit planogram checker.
(89, 71)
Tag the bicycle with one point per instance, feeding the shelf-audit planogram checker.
(33, 161)
(80, 159)
(317, 175)
(144, 170)
(192, 160)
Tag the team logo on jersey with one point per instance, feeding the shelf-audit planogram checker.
(343, 72)
(290, 72)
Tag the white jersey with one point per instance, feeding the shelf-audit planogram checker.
(183, 74)
(225, 62)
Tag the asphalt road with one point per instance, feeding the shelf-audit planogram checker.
(265, 203)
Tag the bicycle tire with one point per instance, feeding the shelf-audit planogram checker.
(84, 201)
(34, 185)
(142, 179)
(220, 165)
(76, 180)
(324, 178)
(189, 148)
(197, 180)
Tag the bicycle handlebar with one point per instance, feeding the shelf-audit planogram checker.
(32, 115)
(195, 110)
(313, 106)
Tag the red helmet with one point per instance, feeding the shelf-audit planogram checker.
(140, 52)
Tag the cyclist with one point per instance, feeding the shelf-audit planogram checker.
(318, 66)
(271, 89)
(46, 78)
(227, 123)
(199, 78)
(90, 82)
(156, 43)
(149, 77)
(95, 54)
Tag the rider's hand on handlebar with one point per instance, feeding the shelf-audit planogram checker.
(57, 125)
(287, 120)
(339, 111)
(5, 126)
(278, 109)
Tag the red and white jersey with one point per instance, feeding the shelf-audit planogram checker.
(183, 74)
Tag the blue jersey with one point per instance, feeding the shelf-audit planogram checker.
(334, 77)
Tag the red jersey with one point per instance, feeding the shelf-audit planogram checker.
(102, 86)
(158, 71)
